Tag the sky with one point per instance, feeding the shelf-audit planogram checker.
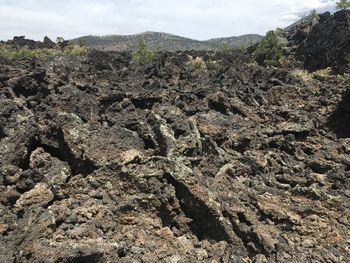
(197, 19)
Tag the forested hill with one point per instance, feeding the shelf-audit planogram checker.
(165, 41)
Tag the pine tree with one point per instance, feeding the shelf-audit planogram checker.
(269, 51)
(343, 4)
(144, 55)
(313, 17)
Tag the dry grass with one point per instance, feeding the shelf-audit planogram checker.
(321, 74)
(252, 65)
(343, 78)
(197, 63)
(9, 52)
(302, 74)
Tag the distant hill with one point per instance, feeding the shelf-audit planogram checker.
(165, 41)
(236, 42)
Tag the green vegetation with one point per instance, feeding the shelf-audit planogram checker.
(313, 17)
(166, 42)
(144, 55)
(278, 31)
(10, 52)
(343, 4)
(60, 40)
(269, 51)
(226, 47)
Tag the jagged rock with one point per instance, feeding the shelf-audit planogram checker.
(21, 41)
(106, 160)
(88, 143)
(325, 44)
(39, 195)
(53, 170)
(48, 43)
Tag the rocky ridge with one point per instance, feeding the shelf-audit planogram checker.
(324, 44)
(165, 42)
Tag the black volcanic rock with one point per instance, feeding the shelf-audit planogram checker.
(21, 41)
(48, 43)
(339, 121)
(326, 44)
(104, 159)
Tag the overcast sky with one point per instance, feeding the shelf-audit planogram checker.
(198, 19)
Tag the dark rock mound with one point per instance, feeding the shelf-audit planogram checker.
(326, 44)
(21, 41)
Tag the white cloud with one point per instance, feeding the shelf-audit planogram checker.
(199, 19)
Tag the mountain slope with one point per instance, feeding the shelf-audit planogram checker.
(238, 41)
(164, 41)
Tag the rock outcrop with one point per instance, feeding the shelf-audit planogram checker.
(21, 41)
(324, 44)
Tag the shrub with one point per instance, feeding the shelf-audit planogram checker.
(10, 52)
(343, 78)
(313, 17)
(307, 76)
(226, 47)
(323, 73)
(73, 50)
(343, 4)
(278, 31)
(269, 50)
(302, 74)
(326, 73)
(144, 55)
(60, 40)
(197, 63)
(252, 65)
